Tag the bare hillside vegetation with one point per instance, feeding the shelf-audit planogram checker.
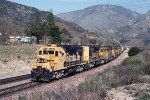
(128, 81)
(16, 60)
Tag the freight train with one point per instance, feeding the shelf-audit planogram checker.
(56, 61)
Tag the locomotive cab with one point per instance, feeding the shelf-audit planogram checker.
(49, 59)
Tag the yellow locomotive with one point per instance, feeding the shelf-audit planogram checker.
(55, 61)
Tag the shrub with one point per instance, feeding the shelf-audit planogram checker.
(96, 87)
(134, 51)
(21, 98)
(146, 69)
(145, 97)
(134, 60)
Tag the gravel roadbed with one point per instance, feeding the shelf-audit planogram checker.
(67, 82)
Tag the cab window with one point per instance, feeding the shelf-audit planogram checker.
(45, 52)
(56, 53)
(41, 60)
(51, 52)
(40, 52)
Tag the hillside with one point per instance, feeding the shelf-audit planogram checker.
(110, 21)
(15, 18)
(101, 17)
(137, 33)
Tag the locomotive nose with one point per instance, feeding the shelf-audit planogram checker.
(39, 72)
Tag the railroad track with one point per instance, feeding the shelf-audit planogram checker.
(17, 88)
(10, 90)
(13, 84)
(14, 79)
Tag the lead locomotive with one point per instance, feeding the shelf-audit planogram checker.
(55, 61)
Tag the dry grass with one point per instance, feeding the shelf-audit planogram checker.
(131, 71)
(17, 52)
(16, 60)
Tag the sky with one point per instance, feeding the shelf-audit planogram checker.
(61, 6)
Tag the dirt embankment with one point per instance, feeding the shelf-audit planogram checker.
(65, 83)
(16, 60)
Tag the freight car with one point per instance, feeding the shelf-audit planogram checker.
(53, 61)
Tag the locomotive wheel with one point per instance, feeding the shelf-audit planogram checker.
(62, 73)
(59, 74)
(102, 61)
(90, 65)
(97, 63)
(79, 69)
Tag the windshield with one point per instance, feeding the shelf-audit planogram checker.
(41, 60)
(49, 51)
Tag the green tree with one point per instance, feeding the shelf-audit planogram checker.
(47, 30)
(65, 36)
(46, 33)
(36, 27)
(50, 22)
(52, 30)
(134, 51)
(55, 35)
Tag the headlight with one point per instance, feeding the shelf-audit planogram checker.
(50, 70)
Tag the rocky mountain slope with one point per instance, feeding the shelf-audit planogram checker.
(110, 21)
(14, 19)
(101, 17)
(107, 22)
(138, 32)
